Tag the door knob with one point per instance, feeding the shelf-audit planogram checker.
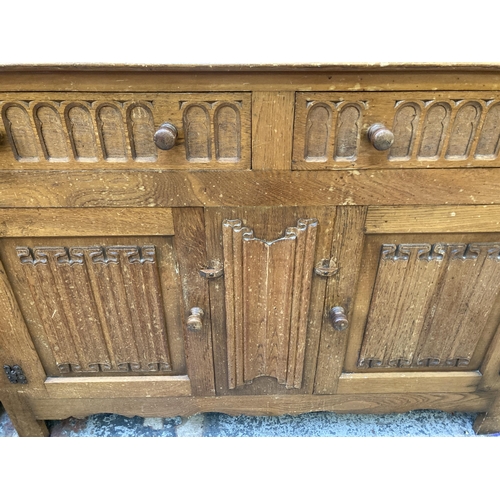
(339, 319)
(195, 320)
(165, 136)
(380, 136)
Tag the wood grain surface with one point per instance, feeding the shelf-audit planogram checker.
(433, 219)
(190, 245)
(174, 189)
(272, 130)
(382, 383)
(21, 414)
(85, 222)
(193, 79)
(109, 387)
(268, 224)
(346, 251)
(263, 405)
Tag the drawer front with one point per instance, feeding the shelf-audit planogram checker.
(447, 129)
(56, 130)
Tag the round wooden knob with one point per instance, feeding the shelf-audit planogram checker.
(339, 319)
(380, 136)
(165, 136)
(195, 320)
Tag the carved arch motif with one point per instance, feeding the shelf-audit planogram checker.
(81, 132)
(227, 127)
(196, 122)
(318, 128)
(20, 132)
(405, 127)
(50, 132)
(111, 132)
(141, 130)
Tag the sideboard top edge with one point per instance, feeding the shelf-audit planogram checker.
(279, 67)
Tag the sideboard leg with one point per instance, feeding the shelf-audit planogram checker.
(22, 416)
(489, 422)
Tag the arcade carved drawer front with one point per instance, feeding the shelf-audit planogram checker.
(118, 131)
(430, 130)
(258, 242)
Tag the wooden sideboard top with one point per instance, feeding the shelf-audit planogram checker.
(251, 77)
(336, 67)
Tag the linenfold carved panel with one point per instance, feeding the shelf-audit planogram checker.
(267, 293)
(430, 304)
(100, 306)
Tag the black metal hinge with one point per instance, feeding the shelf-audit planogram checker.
(15, 374)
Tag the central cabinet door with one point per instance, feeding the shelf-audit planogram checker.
(267, 309)
(103, 301)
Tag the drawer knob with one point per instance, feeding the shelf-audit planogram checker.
(380, 136)
(339, 319)
(195, 320)
(165, 136)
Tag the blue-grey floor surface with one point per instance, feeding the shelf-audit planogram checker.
(418, 423)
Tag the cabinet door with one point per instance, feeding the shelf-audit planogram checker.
(103, 302)
(267, 308)
(428, 301)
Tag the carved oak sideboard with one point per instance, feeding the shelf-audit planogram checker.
(257, 240)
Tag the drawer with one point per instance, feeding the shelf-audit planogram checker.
(89, 130)
(446, 129)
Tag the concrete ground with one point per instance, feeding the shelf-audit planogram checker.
(419, 423)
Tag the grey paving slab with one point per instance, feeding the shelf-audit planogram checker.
(419, 423)
(109, 425)
(326, 424)
(6, 427)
